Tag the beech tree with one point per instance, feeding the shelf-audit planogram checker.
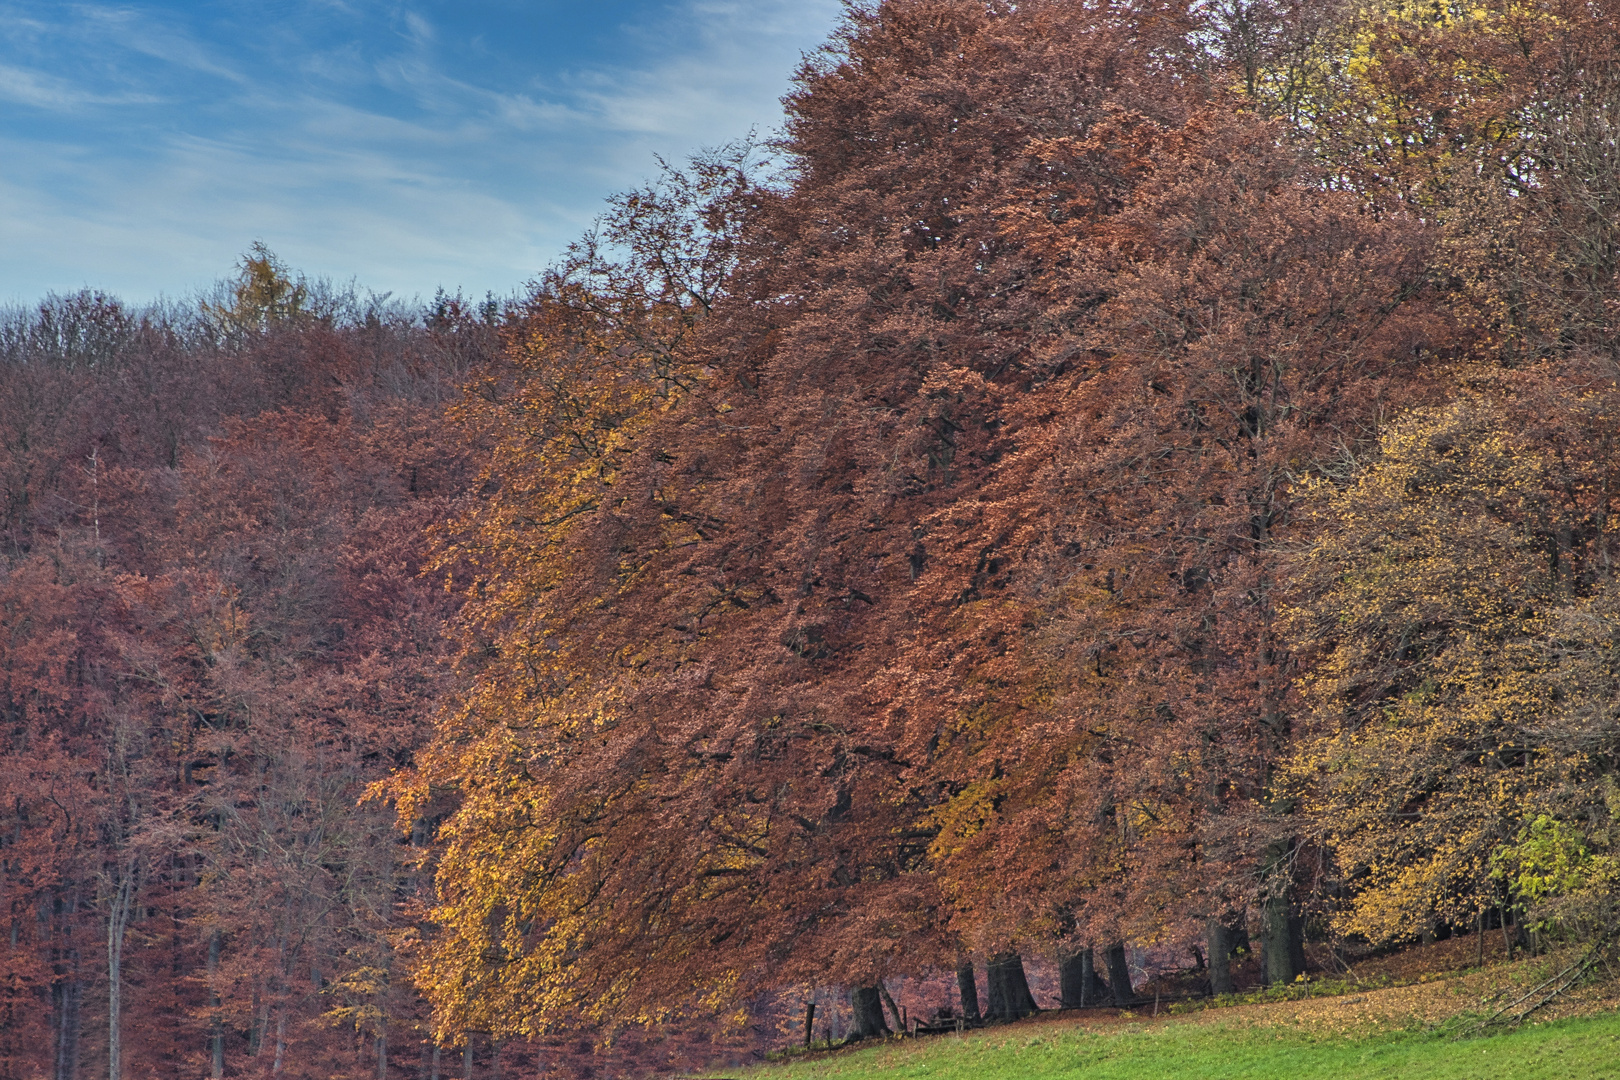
(1434, 606)
(741, 666)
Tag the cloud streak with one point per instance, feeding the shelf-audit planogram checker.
(458, 145)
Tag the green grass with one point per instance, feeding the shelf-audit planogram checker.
(1562, 1050)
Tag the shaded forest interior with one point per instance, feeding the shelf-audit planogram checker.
(1113, 501)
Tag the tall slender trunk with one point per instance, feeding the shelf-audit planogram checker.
(995, 994)
(382, 1053)
(809, 1021)
(1119, 975)
(121, 903)
(282, 979)
(894, 1010)
(433, 1073)
(466, 1060)
(260, 1011)
(1097, 989)
(66, 991)
(69, 996)
(968, 987)
(216, 1036)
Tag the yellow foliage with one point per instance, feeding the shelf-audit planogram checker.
(263, 293)
(585, 380)
(1429, 595)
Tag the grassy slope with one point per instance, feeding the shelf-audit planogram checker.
(1215, 1050)
(1366, 1033)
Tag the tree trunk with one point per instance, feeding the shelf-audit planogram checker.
(216, 1029)
(969, 989)
(995, 994)
(67, 997)
(1078, 982)
(466, 1060)
(1119, 975)
(260, 1021)
(119, 906)
(1284, 943)
(894, 1010)
(433, 1073)
(1010, 998)
(809, 1022)
(1219, 940)
(382, 1054)
(1296, 941)
(67, 992)
(1097, 990)
(1072, 980)
(867, 1005)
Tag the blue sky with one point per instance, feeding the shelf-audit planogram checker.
(144, 146)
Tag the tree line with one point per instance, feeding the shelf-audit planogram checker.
(1104, 475)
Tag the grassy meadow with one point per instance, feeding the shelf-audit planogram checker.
(1406, 1032)
(1571, 1049)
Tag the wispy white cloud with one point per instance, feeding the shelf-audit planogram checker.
(379, 152)
(421, 31)
(35, 88)
(149, 35)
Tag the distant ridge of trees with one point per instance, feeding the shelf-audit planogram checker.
(215, 635)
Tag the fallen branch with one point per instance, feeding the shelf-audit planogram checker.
(1547, 991)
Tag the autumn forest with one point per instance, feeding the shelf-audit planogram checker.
(1113, 492)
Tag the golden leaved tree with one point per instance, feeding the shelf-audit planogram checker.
(524, 911)
(577, 392)
(1432, 602)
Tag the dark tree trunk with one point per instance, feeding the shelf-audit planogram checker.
(969, 988)
(996, 1005)
(895, 1014)
(1284, 943)
(67, 992)
(867, 1005)
(216, 1030)
(1010, 998)
(66, 997)
(1078, 981)
(1220, 956)
(1099, 991)
(1072, 981)
(1119, 975)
